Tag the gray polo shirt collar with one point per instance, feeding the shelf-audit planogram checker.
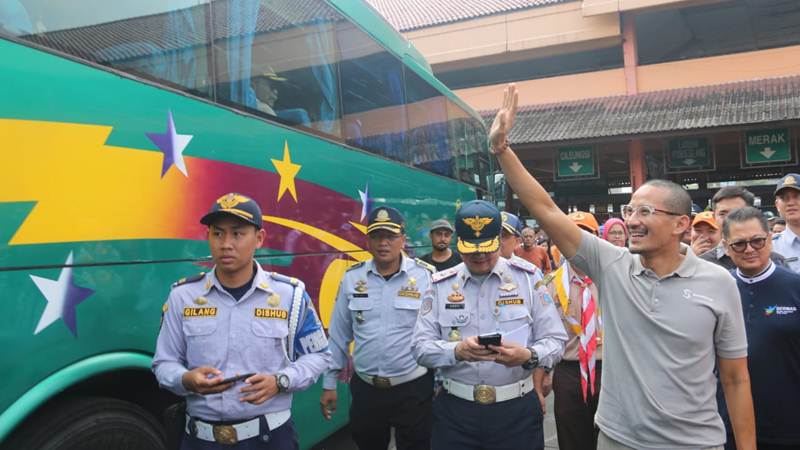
(686, 269)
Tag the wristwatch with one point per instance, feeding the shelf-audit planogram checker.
(533, 362)
(282, 380)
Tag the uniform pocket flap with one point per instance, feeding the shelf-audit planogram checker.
(272, 328)
(194, 327)
(359, 304)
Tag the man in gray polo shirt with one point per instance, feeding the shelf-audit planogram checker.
(667, 315)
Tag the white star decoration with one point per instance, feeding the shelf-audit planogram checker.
(62, 297)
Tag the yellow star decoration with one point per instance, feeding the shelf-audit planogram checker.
(288, 171)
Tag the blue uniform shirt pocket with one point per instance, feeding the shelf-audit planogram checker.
(201, 346)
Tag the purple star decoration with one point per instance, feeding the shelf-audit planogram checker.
(172, 145)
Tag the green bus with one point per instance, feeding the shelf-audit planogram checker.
(122, 121)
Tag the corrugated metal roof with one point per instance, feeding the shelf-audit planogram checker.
(407, 15)
(739, 103)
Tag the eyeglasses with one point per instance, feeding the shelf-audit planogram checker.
(756, 243)
(643, 211)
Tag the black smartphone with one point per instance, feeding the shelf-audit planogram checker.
(489, 339)
(236, 378)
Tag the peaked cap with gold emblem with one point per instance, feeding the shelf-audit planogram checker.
(478, 225)
(789, 181)
(236, 205)
(511, 223)
(385, 218)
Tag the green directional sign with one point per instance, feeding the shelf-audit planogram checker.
(575, 162)
(689, 154)
(768, 146)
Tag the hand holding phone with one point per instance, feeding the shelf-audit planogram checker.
(489, 339)
(236, 378)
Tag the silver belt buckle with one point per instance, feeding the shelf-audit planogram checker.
(484, 394)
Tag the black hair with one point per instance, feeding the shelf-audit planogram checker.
(732, 192)
(678, 201)
(740, 215)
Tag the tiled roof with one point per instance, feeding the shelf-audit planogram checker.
(406, 15)
(740, 103)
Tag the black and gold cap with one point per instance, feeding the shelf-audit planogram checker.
(236, 205)
(478, 225)
(385, 218)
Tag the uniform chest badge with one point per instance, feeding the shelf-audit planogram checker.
(360, 317)
(409, 290)
(508, 284)
(201, 301)
(208, 284)
(274, 300)
(263, 285)
(361, 286)
(462, 318)
(455, 296)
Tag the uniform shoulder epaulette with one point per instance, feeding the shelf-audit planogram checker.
(546, 280)
(527, 267)
(424, 265)
(355, 266)
(445, 274)
(283, 278)
(191, 279)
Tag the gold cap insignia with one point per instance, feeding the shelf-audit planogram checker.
(789, 180)
(477, 223)
(382, 216)
(578, 216)
(229, 201)
(201, 301)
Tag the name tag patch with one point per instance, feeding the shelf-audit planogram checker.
(509, 295)
(409, 294)
(199, 312)
(510, 301)
(269, 313)
(453, 306)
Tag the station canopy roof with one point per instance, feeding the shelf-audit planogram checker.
(407, 15)
(696, 108)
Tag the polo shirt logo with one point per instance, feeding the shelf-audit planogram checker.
(776, 310)
(688, 293)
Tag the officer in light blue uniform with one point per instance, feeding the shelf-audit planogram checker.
(489, 401)
(787, 199)
(376, 308)
(238, 319)
(510, 239)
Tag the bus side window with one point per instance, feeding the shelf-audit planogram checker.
(427, 119)
(160, 41)
(373, 95)
(278, 59)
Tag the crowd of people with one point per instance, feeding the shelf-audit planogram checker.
(662, 329)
